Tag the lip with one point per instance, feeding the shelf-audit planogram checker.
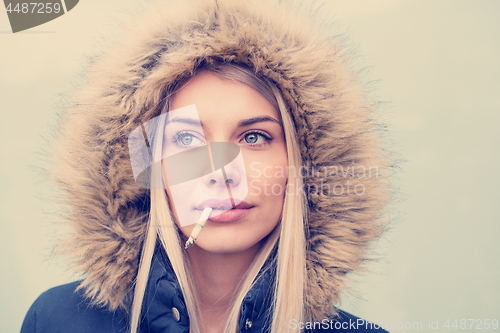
(224, 211)
(229, 215)
(222, 204)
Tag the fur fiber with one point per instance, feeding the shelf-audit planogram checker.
(291, 44)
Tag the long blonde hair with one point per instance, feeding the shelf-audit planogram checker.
(288, 237)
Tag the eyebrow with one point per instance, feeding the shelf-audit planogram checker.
(254, 120)
(241, 123)
(190, 121)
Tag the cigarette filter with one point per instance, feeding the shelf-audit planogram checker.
(197, 228)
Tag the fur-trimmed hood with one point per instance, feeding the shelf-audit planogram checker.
(290, 44)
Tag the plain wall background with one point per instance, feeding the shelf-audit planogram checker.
(439, 76)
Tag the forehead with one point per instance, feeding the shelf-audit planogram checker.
(218, 97)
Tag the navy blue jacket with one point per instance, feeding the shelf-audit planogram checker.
(64, 310)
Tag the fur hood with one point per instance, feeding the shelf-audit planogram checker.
(290, 44)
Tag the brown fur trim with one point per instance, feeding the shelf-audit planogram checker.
(126, 86)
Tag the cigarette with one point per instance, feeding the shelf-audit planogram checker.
(197, 228)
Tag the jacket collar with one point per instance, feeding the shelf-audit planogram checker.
(164, 309)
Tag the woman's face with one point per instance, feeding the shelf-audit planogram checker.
(247, 194)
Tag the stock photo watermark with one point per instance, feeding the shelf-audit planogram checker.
(334, 180)
(25, 15)
(430, 324)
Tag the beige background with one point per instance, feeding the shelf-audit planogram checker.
(439, 71)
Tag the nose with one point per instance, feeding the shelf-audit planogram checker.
(228, 175)
(227, 168)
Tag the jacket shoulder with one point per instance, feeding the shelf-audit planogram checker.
(64, 309)
(344, 322)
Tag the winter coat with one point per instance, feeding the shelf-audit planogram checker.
(64, 310)
(292, 45)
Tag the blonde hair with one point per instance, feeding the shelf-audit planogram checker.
(289, 236)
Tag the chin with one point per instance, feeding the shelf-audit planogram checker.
(224, 246)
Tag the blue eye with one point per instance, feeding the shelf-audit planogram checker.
(251, 138)
(256, 138)
(186, 140)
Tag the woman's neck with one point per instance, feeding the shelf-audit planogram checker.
(217, 277)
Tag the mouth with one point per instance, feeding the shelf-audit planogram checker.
(224, 211)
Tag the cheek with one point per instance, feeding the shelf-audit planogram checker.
(186, 230)
(267, 177)
(171, 205)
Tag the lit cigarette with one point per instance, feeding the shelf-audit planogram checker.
(197, 228)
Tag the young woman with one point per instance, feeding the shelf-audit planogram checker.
(249, 109)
